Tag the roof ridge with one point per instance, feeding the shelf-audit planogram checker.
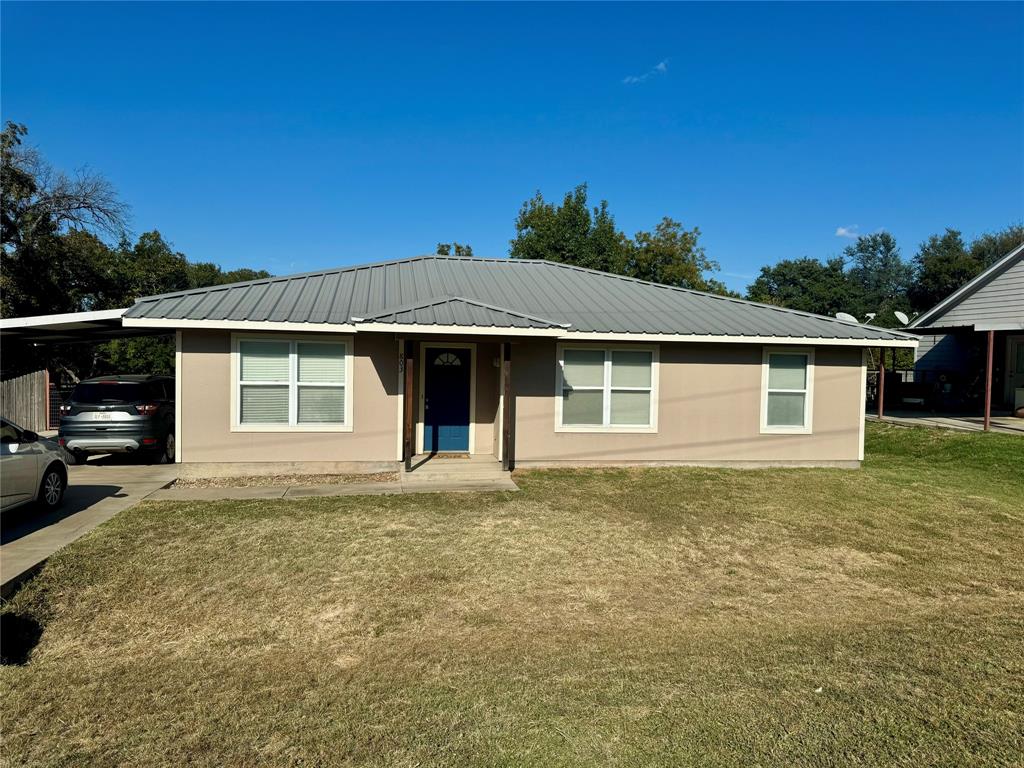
(435, 300)
(719, 297)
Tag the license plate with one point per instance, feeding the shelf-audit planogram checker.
(103, 416)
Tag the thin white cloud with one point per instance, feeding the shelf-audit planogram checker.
(850, 232)
(658, 69)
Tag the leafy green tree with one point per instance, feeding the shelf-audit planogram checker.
(673, 256)
(574, 233)
(454, 249)
(942, 265)
(991, 247)
(570, 233)
(880, 278)
(805, 284)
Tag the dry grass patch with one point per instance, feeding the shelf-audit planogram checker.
(259, 481)
(619, 617)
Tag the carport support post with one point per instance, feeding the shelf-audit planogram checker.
(988, 379)
(407, 422)
(507, 430)
(881, 382)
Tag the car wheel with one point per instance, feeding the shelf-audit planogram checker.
(169, 448)
(51, 489)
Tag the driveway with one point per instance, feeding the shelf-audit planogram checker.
(96, 492)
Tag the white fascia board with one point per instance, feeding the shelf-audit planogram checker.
(67, 318)
(713, 339)
(236, 325)
(999, 326)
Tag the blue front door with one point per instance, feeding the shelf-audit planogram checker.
(447, 373)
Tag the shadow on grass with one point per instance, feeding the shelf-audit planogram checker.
(19, 635)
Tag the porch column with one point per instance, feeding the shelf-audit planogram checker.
(881, 382)
(988, 379)
(407, 421)
(507, 412)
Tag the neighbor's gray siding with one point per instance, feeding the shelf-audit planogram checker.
(941, 352)
(1001, 300)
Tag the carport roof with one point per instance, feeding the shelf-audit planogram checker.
(99, 325)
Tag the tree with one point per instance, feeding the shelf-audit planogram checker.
(879, 276)
(574, 233)
(673, 256)
(805, 284)
(991, 247)
(570, 233)
(942, 265)
(454, 249)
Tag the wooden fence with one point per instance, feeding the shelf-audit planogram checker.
(25, 400)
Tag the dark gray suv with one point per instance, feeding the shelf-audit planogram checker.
(119, 414)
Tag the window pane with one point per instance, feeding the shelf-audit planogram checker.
(265, 405)
(264, 360)
(631, 369)
(787, 371)
(583, 367)
(322, 363)
(582, 407)
(321, 405)
(631, 408)
(786, 409)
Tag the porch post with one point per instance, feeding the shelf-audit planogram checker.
(881, 382)
(407, 421)
(988, 379)
(507, 430)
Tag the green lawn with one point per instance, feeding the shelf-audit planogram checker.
(624, 617)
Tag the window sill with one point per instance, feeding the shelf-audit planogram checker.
(786, 431)
(284, 428)
(601, 430)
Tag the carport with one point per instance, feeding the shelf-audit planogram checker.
(97, 491)
(92, 327)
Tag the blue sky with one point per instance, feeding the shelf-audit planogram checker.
(293, 137)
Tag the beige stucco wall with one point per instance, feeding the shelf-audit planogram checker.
(708, 410)
(205, 408)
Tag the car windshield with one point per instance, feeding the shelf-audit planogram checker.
(111, 392)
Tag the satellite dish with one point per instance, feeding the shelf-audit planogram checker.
(846, 317)
(870, 315)
(901, 317)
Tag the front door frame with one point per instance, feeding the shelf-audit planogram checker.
(471, 346)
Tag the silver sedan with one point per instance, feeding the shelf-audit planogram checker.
(31, 469)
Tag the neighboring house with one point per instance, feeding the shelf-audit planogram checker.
(533, 362)
(956, 334)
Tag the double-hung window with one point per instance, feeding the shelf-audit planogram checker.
(607, 389)
(292, 384)
(787, 381)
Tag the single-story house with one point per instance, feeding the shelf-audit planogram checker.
(532, 362)
(972, 342)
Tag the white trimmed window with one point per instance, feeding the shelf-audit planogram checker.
(787, 383)
(612, 389)
(300, 384)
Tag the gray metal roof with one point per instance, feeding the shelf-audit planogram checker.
(478, 292)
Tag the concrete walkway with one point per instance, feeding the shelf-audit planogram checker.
(96, 492)
(969, 423)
